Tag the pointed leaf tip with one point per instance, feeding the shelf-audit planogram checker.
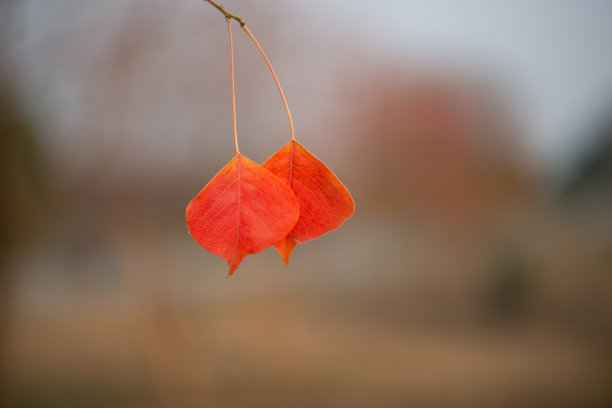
(285, 247)
(232, 268)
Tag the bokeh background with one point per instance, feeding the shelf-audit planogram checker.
(475, 137)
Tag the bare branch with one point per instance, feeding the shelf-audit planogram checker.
(227, 14)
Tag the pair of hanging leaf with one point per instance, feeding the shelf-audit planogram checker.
(291, 198)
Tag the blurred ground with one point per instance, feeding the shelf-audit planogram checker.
(473, 274)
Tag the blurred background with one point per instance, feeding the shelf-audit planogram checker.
(475, 137)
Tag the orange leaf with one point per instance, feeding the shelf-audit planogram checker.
(324, 202)
(243, 210)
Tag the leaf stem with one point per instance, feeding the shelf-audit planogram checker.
(229, 16)
(229, 28)
(280, 89)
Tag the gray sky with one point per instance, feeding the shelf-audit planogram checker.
(556, 56)
(553, 57)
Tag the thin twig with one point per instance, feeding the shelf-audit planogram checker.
(226, 13)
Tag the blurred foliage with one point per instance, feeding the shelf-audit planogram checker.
(509, 285)
(21, 184)
(592, 174)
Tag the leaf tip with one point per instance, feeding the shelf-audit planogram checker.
(232, 268)
(285, 246)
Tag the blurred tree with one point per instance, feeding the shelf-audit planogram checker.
(20, 175)
(508, 284)
(593, 172)
(441, 148)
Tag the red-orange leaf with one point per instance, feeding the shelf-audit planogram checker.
(243, 210)
(324, 202)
